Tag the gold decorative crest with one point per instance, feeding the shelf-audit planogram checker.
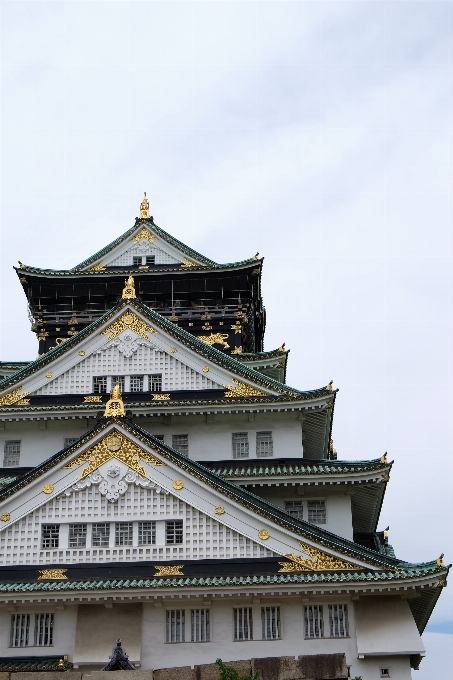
(205, 369)
(49, 374)
(318, 560)
(263, 534)
(5, 517)
(169, 570)
(220, 510)
(178, 484)
(188, 263)
(236, 327)
(13, 397)
(48, 488)
(144, 233)
(82, 353)
(115, 405)
(97, 267)
(215, 339)
(173, 350)
(23, 402)
(52, 574)
(144, 208)
(161, 397)
(237, 350)
(129, 288)
(92, 399)
(240, 389)
(128, 320)
(114, 445)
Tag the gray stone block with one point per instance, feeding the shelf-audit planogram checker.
(119, 675)
(182, 673)
(4, 676)
(47, 675)
(323, 666)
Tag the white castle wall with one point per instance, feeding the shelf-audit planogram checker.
(142, 248)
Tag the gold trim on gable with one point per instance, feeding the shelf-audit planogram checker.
(318, 560)
(240, 389)
(128, 320)
(12, 397)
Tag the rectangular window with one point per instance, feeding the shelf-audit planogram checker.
(175, 625)
(137, 260)
(243, 623)
(136, 383)
(386, 672)
(123, 533)
(199, 625)
(68, 441)
(100, 534)
(174, 531)
(120, 380)
(314, 625)
(180, 442)
(316, 512)
(20, 630)
(77, 535)
(270, 623)
(11, 453)
(100, 384)
(240, 442)
(43, 630)
(295, 509)
(338, 620)
(155, 382)
(146, 533)
(150, 259)
(50, 535)
(264, 445)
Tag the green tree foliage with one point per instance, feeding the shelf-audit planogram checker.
(230, 673)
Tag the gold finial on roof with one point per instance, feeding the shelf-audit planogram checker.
(144, 208)
(330, 386)
(129, 288)
(440, 561)
(114, 406)
(386, 532)
(384, 458)
(282, 348)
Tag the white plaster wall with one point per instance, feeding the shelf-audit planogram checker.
(370, 669)
(385, 625)
(65, 621)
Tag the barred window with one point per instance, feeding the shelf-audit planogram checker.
(264, 445)
(338, 620)
(155, 382)
(123, 533)
(175, 625)
(43, 630)
(240, 441)
(314, 624)
(147, 533)
(137, 260)
(180, 442)
(316, 512)
(120, 380)
(100, 384)
(243, 623)
(20, 630)
(270, 623)
(295, 509)
(136, 383)
(68, 441)
(150, 259)
(11, 453)
(50, 535)
(174, 531)
(77, 535)
(100, 534)
(199, 625)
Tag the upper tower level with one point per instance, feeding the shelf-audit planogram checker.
(219, 303)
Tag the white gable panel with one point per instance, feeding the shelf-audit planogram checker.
(204, 537)
(145, 360)
(143, 247)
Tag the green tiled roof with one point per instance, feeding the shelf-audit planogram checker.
(15, 664)
(256, 356)
(333, 467)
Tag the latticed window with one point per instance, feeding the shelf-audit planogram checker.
(264, 444)
(240, 441)
(174, 531)
(100, 534)
(11, 453)
(199, 625)
(270, 623)
(155, 382)
(136, 383)
(338, 620)
(123, 533)
(243, 623)
(120, 380)
(180, 442)
(137, 260)
(68, 441)
(150, 259)
(314, 624)
(77, 535)
(100, 384)
(295, 509)
(43, 630)
(146, 533)
(50, 535)
(175, 625)
(20, 630)
(316, 512)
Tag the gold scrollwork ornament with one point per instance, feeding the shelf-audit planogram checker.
(131, 321)
(240, 389)
(220, 510)
(169, 570)
(13, 397)
(52, 574)
(317, 560)
(5, 517)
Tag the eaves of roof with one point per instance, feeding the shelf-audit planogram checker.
(13, 365)
(257, 356)
(33, 664)
(226, 488)
(189, 340)
(295, 468)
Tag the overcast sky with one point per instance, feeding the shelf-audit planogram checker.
(317, 133)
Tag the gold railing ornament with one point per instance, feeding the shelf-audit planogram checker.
(129, 288)
(144, 208)
(114, 406)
